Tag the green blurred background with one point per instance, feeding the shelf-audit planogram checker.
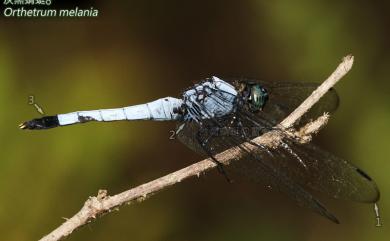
(139, 51)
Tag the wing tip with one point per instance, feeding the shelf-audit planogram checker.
(321, 209)
(374, 194)
(332, 218)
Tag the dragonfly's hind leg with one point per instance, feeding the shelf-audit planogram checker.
(203, 144)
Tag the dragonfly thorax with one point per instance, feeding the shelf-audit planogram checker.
(212, 98)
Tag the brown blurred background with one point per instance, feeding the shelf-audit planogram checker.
(139, 51)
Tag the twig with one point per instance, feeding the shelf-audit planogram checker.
(340, 71)
(102, 203)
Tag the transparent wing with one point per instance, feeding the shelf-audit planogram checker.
(256, 166)
(327, 173)
(284, 97)
(319, 170)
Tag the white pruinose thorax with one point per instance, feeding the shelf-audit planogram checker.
(211, 98)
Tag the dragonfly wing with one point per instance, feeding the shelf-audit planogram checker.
(256, 166)
(283, 171)
(284, 97)
(320, 170)
(327, 173)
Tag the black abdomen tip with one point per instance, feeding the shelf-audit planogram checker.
(45, 122)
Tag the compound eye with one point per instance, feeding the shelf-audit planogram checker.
(258, 98)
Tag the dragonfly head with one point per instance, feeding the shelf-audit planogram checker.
(258, 97)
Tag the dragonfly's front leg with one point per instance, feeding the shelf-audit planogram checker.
(203, 143)
(244, 135)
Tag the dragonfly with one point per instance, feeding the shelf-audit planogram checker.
(217, 114)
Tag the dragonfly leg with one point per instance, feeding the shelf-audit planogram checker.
(286, 147)
(203, 144)
(204, 140)
(245, 136)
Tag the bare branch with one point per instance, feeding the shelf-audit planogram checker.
(102, 203)
(341, 70)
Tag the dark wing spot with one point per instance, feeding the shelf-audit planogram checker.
(363, 174)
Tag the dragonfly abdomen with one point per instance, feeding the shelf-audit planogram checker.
(160, 110)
